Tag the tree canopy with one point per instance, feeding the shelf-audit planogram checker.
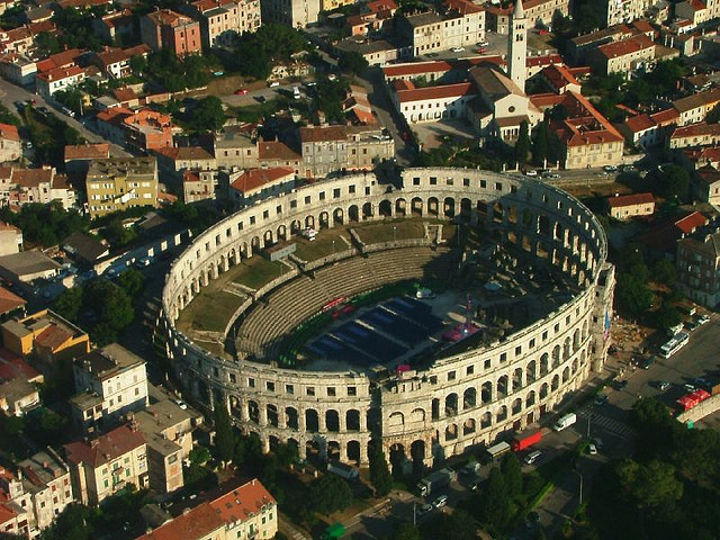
(522, 145)
(207, 115)
(330, 494)
(379, 472)
(45, 224)
(257, 52)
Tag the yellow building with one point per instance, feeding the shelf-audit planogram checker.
(119, 183)
(328, 5)
(46, 334)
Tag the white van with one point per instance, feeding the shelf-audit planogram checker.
(565, 422)
(532, 457)
(296, 92)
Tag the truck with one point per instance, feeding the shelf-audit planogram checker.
(437, 480)
(497, 450)
(565, 421)
(526, 439)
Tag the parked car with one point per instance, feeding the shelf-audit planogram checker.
(664, 385)
(260, 99)
(703, 319)
(241, 91)
(592, 449)
(481, 50)
(620, 385)
(143, 262)
(531, 172)
(601, 399)
(648, 362)
(457, 49)
(690, 387)
(483, 44)
(274, 84)
(692, 325)
(424, 509)
(609, 168)
(440, 501)
(180, 403)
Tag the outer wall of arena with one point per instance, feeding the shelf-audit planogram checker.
(465, 400)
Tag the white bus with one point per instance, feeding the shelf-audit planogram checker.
(677, 342)
(497, 450)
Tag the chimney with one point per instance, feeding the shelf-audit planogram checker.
(186, 511)
(94, 443)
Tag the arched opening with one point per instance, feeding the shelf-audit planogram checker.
(255, 244)
(527, 219)
(385, 208)
(281, 233)
(268, 238)
(517, 380)
(435, 409)
(502, 386)
(354, 213)
(465, 209)
(332, 421)
(416, 206)
(451, 432)
(556, 356)
(272, 415)
(544, 365)
(352, 420)
(469, 426)
(566, 375)
(486, 392)
(253, 412)
(312, 424)
(353, 451)
(397, 459)
(324, 220)
(291, 417)
(497, 214)
(310, 222)
(501, 414)
(433, 206)
(449, 207)
(530, 399)
(543, 391)
(417, 453)
(313, 452)
(367, 212)
(486, 420)
(576, 340)
(555, 383)
(512, 215)
(417, 417)
(566, 349)
(530, 371)
(544, 225)
(274, 442)
(333, 451)
(400, 209)
(396, 420)
(469, 398)
(451, 404)
(338, 217)
(517, 406)
(295, 226)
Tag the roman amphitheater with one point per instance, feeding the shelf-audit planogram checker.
(326, 344)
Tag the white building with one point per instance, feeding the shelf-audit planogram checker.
(430, 104)
(57, 79)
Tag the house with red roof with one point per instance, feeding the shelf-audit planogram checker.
(10, 148)
(624, 207)
(115, 62)
(694, 135)
(622, 56)
(57, 79)
(247, 187)
(695, 11)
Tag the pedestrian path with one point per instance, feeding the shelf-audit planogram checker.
(614, 426)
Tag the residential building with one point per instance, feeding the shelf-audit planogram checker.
(706, 185)
(623, 56)
(103, 466)
(147, 130)
(377, 52)
(174, 161)
(701, 134)
(560, 79)
(11, 305)
(199, 186)
(15, 506)
(247, 511)
(78, 157)
(293, 13)
(18, 396)
(10, 148)
(118, 26)
(46, 336)
(115, 62)
(279, 154)
(46, 481)
(166, 29)
(221, 21)
(252, 185)
(120, 183)
(580, 46)
(695, 11)
(27, 266)
(695, 107)
(623, 207)
(694, 159)
(343, 148)
(588, 139)
(698, 266)
(110, 382)
(540, 13)
(462, 24)
(85, 249)
(432, 103)
(11, 239)
(58, 79)
(235, 147)
(22, 186)
(18, 69)
(626, 11)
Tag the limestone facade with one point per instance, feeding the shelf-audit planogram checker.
(464, 400)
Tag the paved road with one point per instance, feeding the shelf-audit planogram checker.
(9, 94)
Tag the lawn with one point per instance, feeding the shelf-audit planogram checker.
(403, 229)
(209, 311)
(256, 272)
(322, 246)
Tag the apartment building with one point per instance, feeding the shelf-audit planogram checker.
(293, 13)
(221, 21)
(701, 134)
(167, 29)
(706, 186)
(174, 161)
(235, 147)
(541, 12)
(110, 382)
(20, 186)
(247, 187)
(695, 11)
(46, 336)
(58, 79)
(247, 511)
(461, 25)
(103, 466)
(333, 148)
(698, 266)
(198, 186)
(695, 107)
(432, 103)
(622, 56)
(11, 239)
(115, 63)
(120, 183)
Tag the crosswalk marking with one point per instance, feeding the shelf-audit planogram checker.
(610, 424)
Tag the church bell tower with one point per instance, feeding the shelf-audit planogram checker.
(517, 46)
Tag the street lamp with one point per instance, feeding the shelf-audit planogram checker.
(394, 233)
(581, 485)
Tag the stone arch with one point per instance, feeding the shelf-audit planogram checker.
(469, 398)
(435, 409)
(281, 232)
(451, 404)
(530, 399)
(333, 451)
(255, 244)
(397, 458)
(451, 432)
(417, 416)
(574, 366)
(517, 406)
(272, 415)
(396, 419)
(268, 238)
(338, 217)
(354, 213)
(352, 420)
(543, 225)
(531, 371)
(465, 209)
(273, 442)
(295, 226)
(417, 451)
(449, 207)
(566, 348)
(502, 386)
(512, 214)
(566, 375)
(312, 421)
(544, 365)
(433, 206)
(367, 211)
(253, 412)
(324, 220)
(556, 356)
(291, 418)
(469, 426)
(400, 207)
(517, 380)
(576, 340)
(486, 420)
(501, 414)
(555, 383)
(313, 451)
(332, 420)
(486, 392)
(385, 208)
(417, 206)
(544, 391)
(497, 212)
(527, 219)
(309, 222)
(353, 451)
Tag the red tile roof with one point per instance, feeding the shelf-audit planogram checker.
(639, 123)
(382, 5)
(665, 117)
(199, 522)
(584, 123)
(277, 150)
(436, 92)
(105, 448)
(32, 177)
(242, 502)
(52, 337)
(696, 5)
(10, 301)
(559, 77)
(463, 6)
(60, 73)
(255, 178)
(13, 366)
(323, 134)
(10, 132)
(626, 46)
(87, 151)
(630, 200)
(696, 130)
(543, 101)
(691, 222)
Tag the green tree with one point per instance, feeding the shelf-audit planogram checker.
(540, 144)
(651, 485)
(330, 494)
(673, 182)
(69, 302)
(512, 475)
(132, 282)
(208, 115)
(633, 294)
(379, 472)
(522, 145)
(224, 434)
(353, 62)
(406, 531)
(199, 455)
(110, 307)
(138, 65)
(74, 522)
(664, 271)
(667, 316)
(495, 509)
